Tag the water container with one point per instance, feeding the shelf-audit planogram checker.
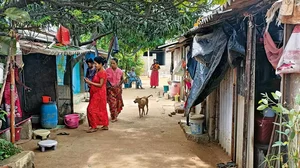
(46, 99)
(197, 124)
(49, 116)
(166, 88)
(72, 120)
(175, 88)
(263, 129)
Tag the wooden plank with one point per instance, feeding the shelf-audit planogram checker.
(247, 89)
(250, 159)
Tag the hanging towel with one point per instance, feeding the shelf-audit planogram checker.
(116, 45)
(273, 53)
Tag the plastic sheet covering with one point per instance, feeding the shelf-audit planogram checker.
(191, 65)
(236, 45)
(203, 49)
(178, 69)
(208, 76)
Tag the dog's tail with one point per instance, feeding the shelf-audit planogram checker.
(150, 96)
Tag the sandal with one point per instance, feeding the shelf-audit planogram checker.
(114, 120)
(104, 128)
(63, 133)
(92, 130)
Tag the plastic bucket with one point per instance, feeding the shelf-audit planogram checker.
(263, 130)
(197, 124)
(166, 88)
(175, 88)
(18, 133)
(126, 85)
(46, 99)
(72, 120)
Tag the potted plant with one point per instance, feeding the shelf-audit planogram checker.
(2, 117)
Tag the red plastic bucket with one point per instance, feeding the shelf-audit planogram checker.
(46, 99)
(72, 120)
(18, 133)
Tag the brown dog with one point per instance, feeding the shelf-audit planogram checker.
(142, 102)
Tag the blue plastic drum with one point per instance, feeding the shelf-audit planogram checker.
(49, 115)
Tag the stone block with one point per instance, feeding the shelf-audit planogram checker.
(24, 159)
(26, 131)
(204, 138)
(6, 135)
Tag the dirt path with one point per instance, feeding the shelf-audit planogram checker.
(153, 141)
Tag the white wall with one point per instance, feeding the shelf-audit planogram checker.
(164, 69)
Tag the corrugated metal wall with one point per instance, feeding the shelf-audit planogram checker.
(226, 112)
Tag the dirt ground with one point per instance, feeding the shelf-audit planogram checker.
(153, 141)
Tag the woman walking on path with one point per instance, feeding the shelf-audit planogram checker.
(97, 111)
(114, 89)
(154, 79)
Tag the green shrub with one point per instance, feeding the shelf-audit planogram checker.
(7, 149)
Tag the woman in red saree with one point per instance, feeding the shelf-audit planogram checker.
(114, 89)
(96, 110)
(154, 78)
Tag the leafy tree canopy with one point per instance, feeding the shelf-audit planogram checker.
(138, 23)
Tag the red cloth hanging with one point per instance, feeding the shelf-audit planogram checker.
(273, 53)
(63, 35)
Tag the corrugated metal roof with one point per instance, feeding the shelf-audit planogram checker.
(230, 9)
(36, 47)
(230, 6)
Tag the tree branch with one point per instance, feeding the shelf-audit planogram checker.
(98, 37)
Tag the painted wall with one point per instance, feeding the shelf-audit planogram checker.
(164, 69)
(76, 78)
(61, 68)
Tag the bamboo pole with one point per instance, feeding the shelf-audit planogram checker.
(12, 93)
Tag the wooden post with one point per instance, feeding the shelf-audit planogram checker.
(249, 91)
(12, 99)
(172, 65)
(289, 87)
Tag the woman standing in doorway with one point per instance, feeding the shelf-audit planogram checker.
(154, 78)
(97, 111)
(114, 89)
